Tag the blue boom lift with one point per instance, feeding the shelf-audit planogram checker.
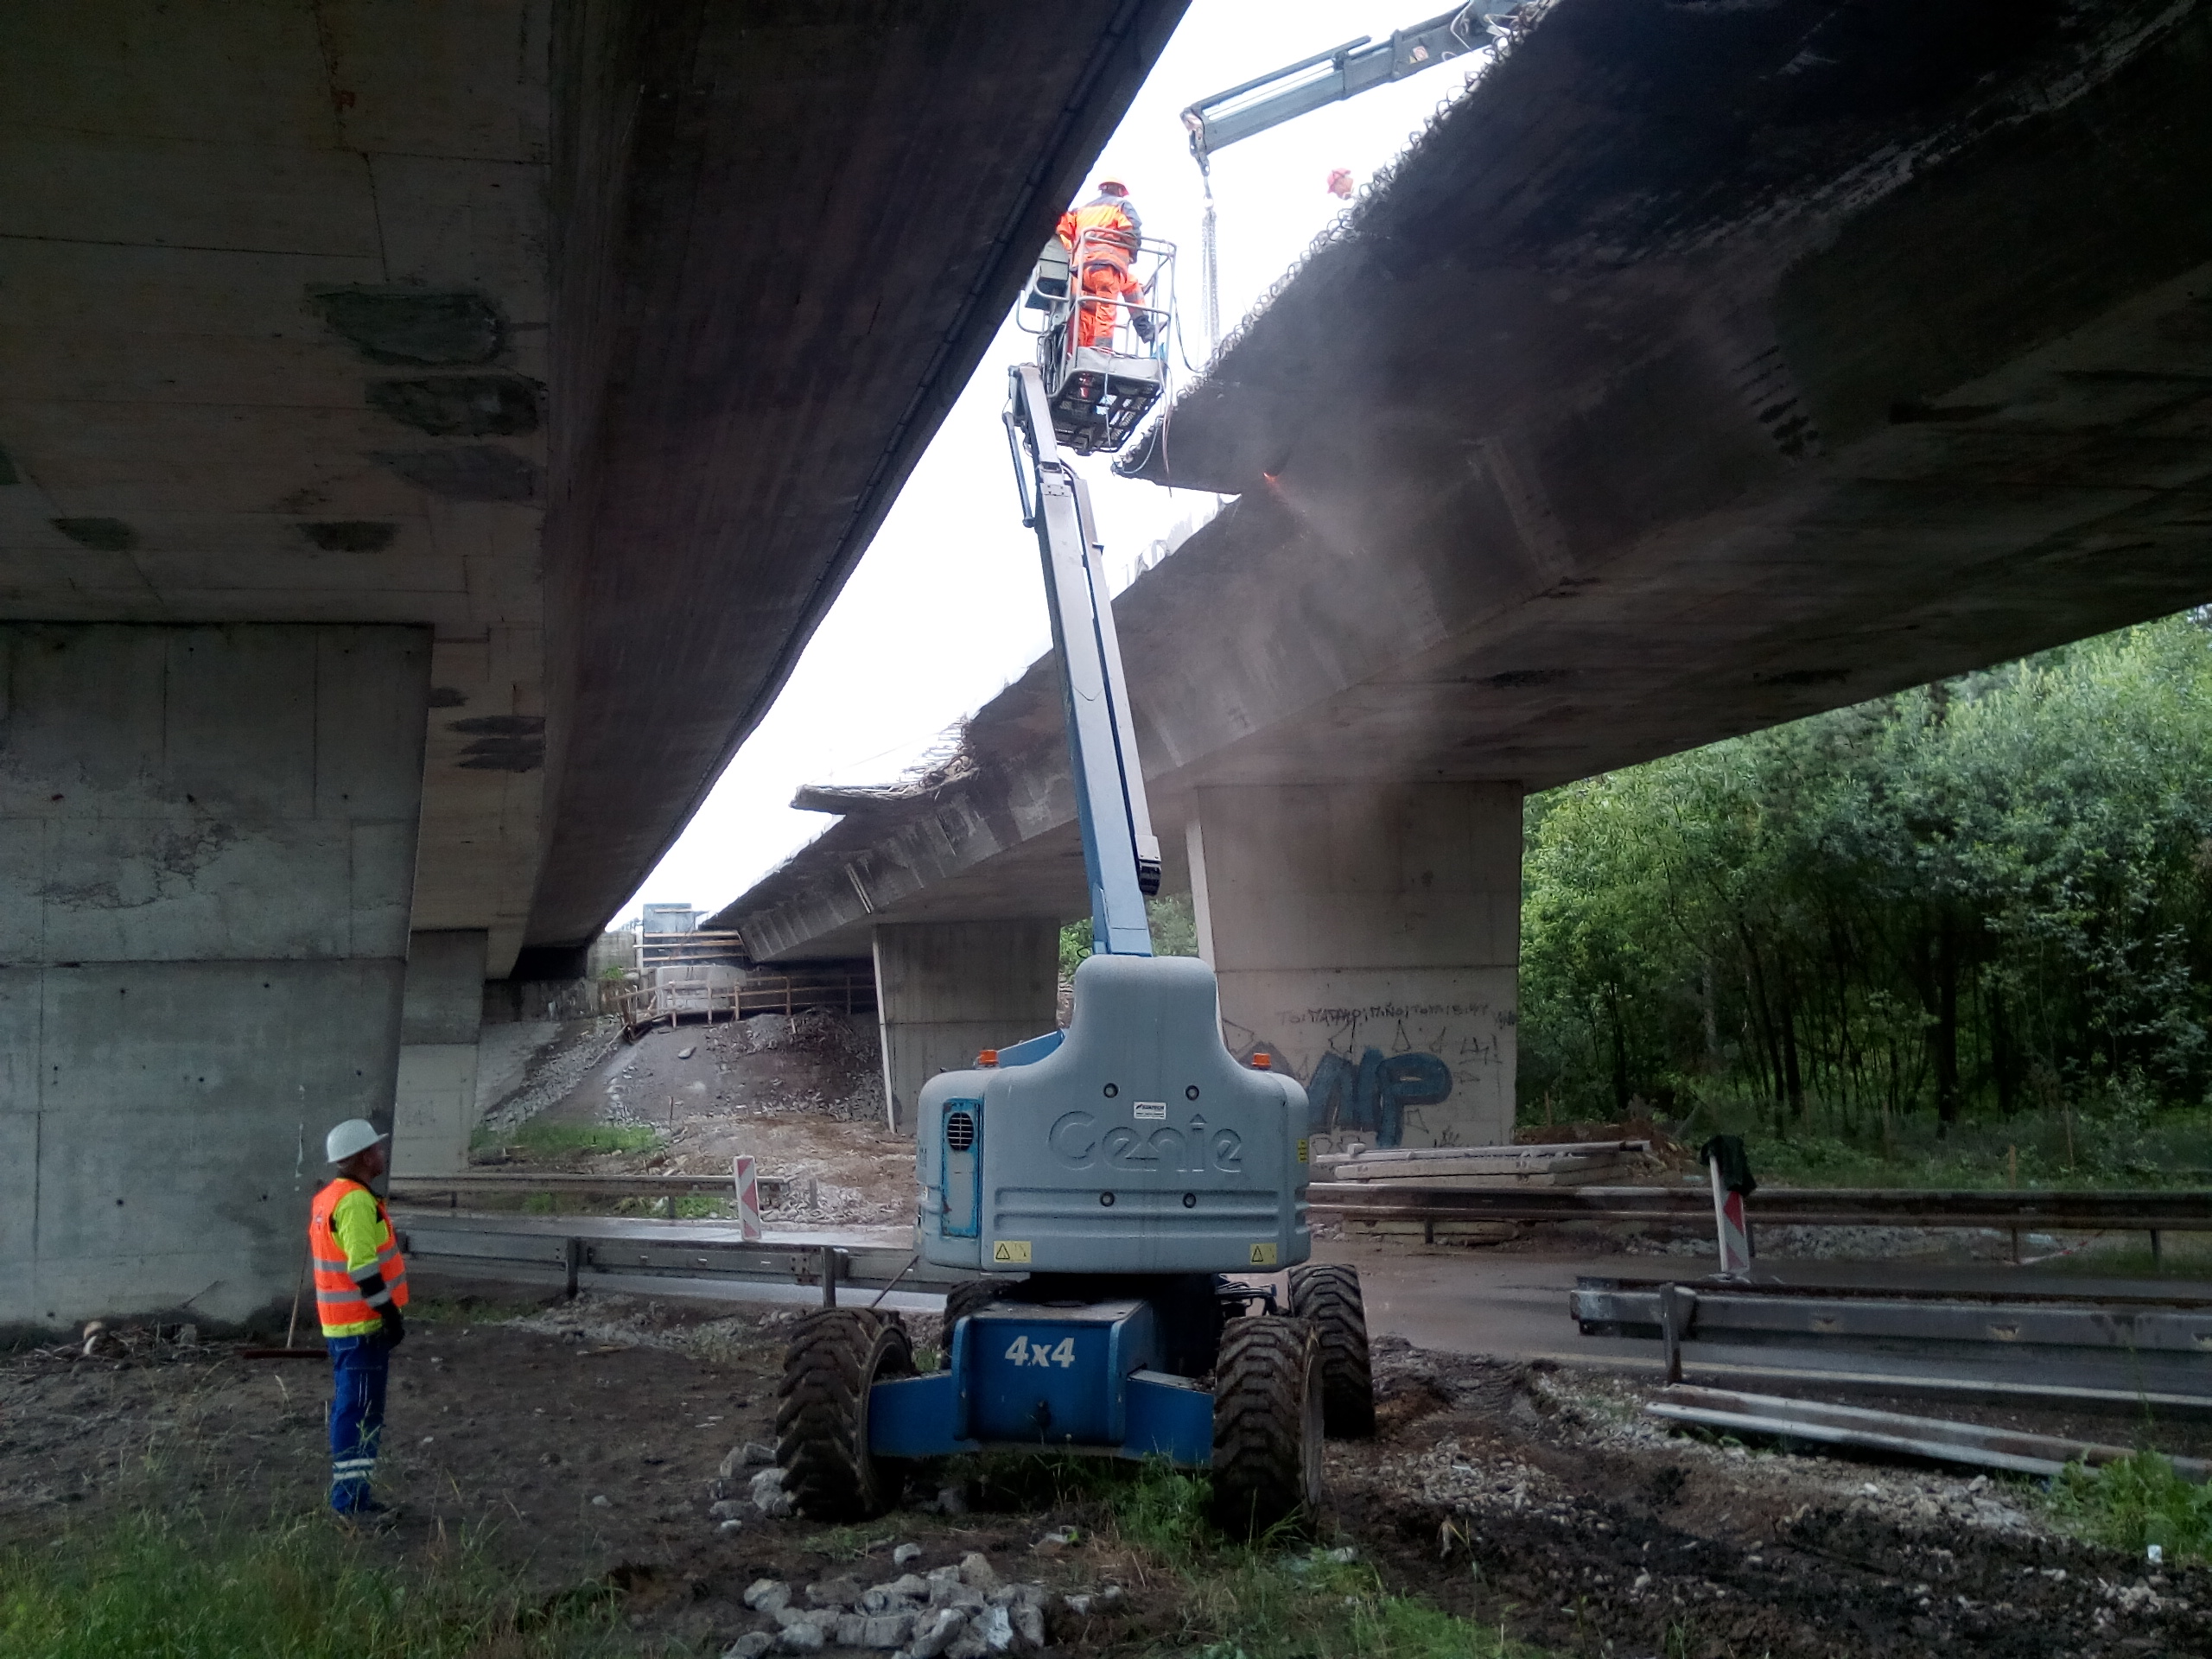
(1103, 1182)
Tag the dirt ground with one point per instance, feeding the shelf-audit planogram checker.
(585, 1443)
(803, 1096)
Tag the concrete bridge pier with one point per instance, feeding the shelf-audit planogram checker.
(441, 1018)
(945, 990)
(208, 838)
(1367, 936)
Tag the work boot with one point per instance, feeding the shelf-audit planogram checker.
(368, 1514)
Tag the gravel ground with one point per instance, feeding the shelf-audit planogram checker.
(604, 1441)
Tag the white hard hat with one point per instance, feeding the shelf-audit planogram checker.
(354, 1135)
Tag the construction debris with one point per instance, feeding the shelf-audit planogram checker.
(955, 1612)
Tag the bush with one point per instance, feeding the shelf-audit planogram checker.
(2134, 1503)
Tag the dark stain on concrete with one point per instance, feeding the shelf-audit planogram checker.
(1514, 678)
(181, 853)
(462, 405)
(504, 742)
(437, 327)
(101, 535)
(448, 697)
(7, 471)
(349, 535)
(504, 755)
(480, 472)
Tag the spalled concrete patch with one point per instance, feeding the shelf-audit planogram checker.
(462, 405)
(414, 325)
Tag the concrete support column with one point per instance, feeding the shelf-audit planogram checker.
(945, 990)
(1368, 937)
(440, 1018)
(207, 841)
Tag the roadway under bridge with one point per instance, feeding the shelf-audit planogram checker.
(1704, 367)
(428, 435)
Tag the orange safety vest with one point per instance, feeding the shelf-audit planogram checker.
(338, 1300)
(1115, 229)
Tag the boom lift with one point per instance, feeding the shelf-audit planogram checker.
(1103, 1181)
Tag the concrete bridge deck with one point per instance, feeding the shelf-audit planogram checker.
(429, 433)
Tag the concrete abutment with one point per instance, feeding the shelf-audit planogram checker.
(945, 990)
(441, 1017)
(1367, 936)
(209, 839)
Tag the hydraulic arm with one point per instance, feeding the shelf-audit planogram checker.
(1269, 100)
(1120, 853)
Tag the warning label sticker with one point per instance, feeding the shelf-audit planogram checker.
(1017, 1249)
(1301, 1148)
(1263, 1255)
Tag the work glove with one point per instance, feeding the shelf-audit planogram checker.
(395, 1328)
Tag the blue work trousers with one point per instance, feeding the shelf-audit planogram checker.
(359, 1366)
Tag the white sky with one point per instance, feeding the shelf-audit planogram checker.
(947, 606)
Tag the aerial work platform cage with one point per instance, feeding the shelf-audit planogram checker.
(1104, 356)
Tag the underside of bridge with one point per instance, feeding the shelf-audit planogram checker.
(428, 435)
(1706, 366)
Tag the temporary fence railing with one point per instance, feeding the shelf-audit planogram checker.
(645, 1005)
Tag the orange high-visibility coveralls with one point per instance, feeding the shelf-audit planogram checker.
(1104, 280)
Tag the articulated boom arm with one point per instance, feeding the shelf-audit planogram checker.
(1120, 853)
(1341, 72)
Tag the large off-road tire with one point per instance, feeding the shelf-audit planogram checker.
(971, 1296)
(1327, 1295)
(835, 1357)
(1266, 1425)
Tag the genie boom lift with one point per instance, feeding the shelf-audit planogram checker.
(1102, 1182)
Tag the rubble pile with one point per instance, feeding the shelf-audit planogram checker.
(965, 1611)
(850, 1061)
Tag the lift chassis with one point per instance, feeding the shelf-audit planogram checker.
(1104, 1182)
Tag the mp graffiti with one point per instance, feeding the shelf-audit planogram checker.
(1371, 1097)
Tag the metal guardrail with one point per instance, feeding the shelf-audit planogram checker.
(426, 1189)
(1820, 1423)
(1717, 1312)
(2119, 1212)
(493, 1248)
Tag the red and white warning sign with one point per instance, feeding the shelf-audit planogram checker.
(749, 1197)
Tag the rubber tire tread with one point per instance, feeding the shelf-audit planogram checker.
(834, 1357)
(1259, 1423)
(1328, 1294)
(970, 1296)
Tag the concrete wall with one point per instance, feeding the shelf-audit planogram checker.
(945, 990)
(1368, 937)
(208, 839)
(441, 1015)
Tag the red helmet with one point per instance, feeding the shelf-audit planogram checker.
(1114, 185)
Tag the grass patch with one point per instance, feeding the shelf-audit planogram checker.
(1277, 1598)
(2134, 1503)
(537, 1140)
(182, 1588)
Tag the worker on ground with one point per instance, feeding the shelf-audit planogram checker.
(1108, 229)
(361, 1285)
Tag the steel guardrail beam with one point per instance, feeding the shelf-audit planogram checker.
(1718, 1314)
(2126, 1211)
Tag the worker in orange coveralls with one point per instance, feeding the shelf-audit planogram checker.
(1104, 281)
